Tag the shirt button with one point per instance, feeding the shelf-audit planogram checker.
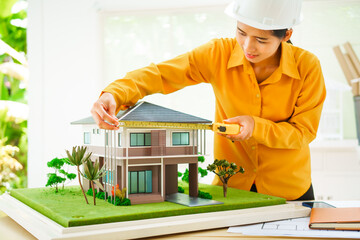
(253, 147)
(257, 95)
(255, 170)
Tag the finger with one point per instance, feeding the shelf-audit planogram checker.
(111, 118)
(232, 120)
(102, 124)
(111, 111)
(101, 110)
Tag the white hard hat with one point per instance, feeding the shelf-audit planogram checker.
(266, 14)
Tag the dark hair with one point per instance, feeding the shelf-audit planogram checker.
(280, 33)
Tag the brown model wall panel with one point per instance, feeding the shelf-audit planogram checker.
(158, 142)
(139, 151)
(123, 176)
(193, 179)
(185, 150)
(157, 151)
(118, 177)
(171, 179)
(155, 137)
(162, 138)
(180, 160)
(156, 179)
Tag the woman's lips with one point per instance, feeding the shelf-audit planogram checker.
(250, 56)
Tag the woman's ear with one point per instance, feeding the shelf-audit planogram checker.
(287, 35)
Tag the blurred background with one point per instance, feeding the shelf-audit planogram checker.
(65, 52)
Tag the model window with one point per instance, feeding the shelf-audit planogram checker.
(140, 139)
(180, 138)
(94, 131)
(86, 137)
(98, 131)
(140, 181)
(108, 177)
(119, 139)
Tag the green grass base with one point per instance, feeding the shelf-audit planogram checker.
(68, 206)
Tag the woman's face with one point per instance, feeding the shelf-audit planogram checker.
(258, 45)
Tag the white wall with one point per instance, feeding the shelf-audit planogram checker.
(65, 59)
(63, 43)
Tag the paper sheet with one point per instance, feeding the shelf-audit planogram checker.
(297, 227)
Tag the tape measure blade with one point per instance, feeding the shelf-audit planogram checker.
(143, 124)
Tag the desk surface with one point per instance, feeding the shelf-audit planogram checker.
(10, 230)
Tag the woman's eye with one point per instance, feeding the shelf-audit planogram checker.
(242, 33)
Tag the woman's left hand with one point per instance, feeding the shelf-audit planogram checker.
(247, 125)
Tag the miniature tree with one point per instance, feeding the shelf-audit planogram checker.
(53, 178)
(225, 171)
(77, 158)
(93, 173)
(69, 176)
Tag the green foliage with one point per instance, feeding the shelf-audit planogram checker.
(181, 189)
(92, 172)
(117, 202)
(77, 156)
(185, 176)
(224, 169)
(13, 35)
(203, 172)
(90, 192)
(121, 194)
(11, 89)
(205, 195)
(100, 195)
(114, 200)
(125, 202)
(56, 163)
(201, 159)
(54, 180)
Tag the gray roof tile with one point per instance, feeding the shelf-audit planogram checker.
(149, 112)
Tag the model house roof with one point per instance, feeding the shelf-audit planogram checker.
(149, 112)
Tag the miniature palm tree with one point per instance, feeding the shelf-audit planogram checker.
(77, 158)
(225, 171)
(93, 173)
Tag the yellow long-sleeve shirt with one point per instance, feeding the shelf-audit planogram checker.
(286, 108)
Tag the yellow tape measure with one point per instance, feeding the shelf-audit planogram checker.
(216, 127)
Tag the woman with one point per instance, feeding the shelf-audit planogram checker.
(273, 89)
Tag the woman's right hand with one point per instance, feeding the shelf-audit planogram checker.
(103, 112)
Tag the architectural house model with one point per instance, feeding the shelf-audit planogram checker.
(143, 159)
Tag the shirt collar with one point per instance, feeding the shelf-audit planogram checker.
(287, 60)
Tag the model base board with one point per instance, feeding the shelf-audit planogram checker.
(44, 228)
(50, 215)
